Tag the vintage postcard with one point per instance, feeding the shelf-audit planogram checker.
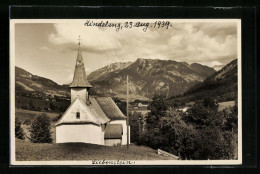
(125, 92)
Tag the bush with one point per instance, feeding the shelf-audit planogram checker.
(27, 121)
(18, 129)
(40, 130)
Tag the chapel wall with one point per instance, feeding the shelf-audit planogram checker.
(81, 92)
(85, 133)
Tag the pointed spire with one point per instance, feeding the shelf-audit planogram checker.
(80, 77)
(79, 41)
(79, 58)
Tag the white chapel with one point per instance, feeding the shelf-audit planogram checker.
(95, 120)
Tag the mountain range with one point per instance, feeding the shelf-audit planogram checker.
(107, 69)
(221, 85)
(25, 81)
(148, 77)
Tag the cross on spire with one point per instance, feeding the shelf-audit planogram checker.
(79, 40)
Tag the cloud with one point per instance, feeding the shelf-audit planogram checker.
(219, 31)
(44, 48)
(204, 42)
(191, 42)
(212, 63)
(92, 39)
(69, 79)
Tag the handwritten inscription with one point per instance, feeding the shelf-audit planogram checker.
(129, 24)
(112, 162)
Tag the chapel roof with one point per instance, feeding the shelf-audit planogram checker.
(113, 131)
(97, 111)
(80, 77)
(109, 107)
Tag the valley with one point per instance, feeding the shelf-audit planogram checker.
(179, 82)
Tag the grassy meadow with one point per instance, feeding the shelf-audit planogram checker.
(27, 151)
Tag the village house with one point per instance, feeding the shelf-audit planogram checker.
(141, 105)
(95, 120)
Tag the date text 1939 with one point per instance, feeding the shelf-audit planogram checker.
(145, 25)
(161, 24)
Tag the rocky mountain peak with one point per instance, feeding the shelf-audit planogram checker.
(149, 77)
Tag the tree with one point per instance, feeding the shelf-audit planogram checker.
(179, 137)
(209, 102)
(40, 129)
(158, 105)
(136, 123)
(202, 132)
(31, 105)
(18, 129)
(158, 109)
(216, 138)
(203, 114)
(232, 119)
(153, 136)
(52, 106)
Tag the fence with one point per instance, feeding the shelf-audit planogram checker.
(161, 152)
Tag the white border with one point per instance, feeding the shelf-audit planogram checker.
(137, 162)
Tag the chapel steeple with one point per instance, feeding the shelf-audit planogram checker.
(80, 78)
(80, 85)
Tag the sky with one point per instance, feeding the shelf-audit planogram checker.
(50, 49)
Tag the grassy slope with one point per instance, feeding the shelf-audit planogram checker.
(27, 151)
(40, 104)
(225, 105)
(24, 114)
